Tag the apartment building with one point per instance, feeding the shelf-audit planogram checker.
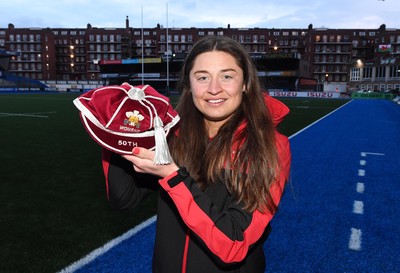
(337, 59)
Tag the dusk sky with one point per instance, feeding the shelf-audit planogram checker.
(362, 14)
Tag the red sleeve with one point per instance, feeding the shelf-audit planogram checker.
(195, 209)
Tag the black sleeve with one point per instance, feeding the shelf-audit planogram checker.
(126, 187)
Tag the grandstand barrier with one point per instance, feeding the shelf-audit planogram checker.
(371, 95)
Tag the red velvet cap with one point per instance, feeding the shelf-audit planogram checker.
(120, 118)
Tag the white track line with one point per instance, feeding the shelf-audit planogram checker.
(358, 207)
(360, 187)
(355, 239)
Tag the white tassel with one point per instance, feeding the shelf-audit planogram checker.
(162, 155)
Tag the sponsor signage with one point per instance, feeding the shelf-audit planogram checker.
(139, 60)
(330, 95)
(110, 62)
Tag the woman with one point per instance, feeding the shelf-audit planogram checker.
(229, 171)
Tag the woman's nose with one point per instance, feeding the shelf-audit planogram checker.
(214, 87)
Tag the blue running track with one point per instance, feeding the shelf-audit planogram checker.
(340, 211)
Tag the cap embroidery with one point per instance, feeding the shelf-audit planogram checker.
(133, 118)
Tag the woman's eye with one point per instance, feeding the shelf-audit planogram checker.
(227, 77)
(202, 78)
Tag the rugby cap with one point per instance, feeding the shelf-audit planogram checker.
(121, 117)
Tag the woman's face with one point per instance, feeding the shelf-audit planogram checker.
(217, 87)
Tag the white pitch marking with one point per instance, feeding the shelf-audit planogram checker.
(360, 187)
(363, 162)
(361, 172)
(103, 249)
(358, 207)
(364, 154)
(315, 122)
(355, 239)
(32, 115)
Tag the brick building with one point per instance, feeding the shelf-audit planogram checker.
(335, 59)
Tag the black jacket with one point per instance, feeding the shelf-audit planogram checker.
(198, 232)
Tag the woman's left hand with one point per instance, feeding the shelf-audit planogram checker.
(142, 160)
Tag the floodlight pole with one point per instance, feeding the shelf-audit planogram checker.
(167, 87)
(142, 51)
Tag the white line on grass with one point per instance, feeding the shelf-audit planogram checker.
(32, 115)
(101, 250)
(355, 239)
(305, 128)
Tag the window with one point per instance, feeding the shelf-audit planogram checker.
(355, 74)
(367, 72)
(394, 71)
(201, 33)
(380, 72)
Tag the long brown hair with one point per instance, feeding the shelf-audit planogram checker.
(249, 169)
